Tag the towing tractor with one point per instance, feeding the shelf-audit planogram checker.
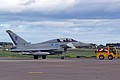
(106, 53)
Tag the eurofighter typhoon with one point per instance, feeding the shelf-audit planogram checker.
(51, 47)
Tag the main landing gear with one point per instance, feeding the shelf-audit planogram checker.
(36, 56)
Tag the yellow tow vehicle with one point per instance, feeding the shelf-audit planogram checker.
(106, 53)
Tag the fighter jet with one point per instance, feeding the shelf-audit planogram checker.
(51, 47)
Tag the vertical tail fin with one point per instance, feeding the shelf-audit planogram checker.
(16, 39)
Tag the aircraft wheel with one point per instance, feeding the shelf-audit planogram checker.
(101, 57)
(44, 57)
(62, 57)
(110, 57)
(35, 56)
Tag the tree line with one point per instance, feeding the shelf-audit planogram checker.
(6, 44)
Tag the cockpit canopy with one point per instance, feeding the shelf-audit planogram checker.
(61, 40)
(66, 40)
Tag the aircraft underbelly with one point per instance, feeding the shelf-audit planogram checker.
(40, 53)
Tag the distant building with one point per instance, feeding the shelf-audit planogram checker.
(117, 45)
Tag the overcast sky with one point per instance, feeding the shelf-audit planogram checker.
(96, 21)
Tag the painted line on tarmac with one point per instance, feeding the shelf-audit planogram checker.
(35, 72)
